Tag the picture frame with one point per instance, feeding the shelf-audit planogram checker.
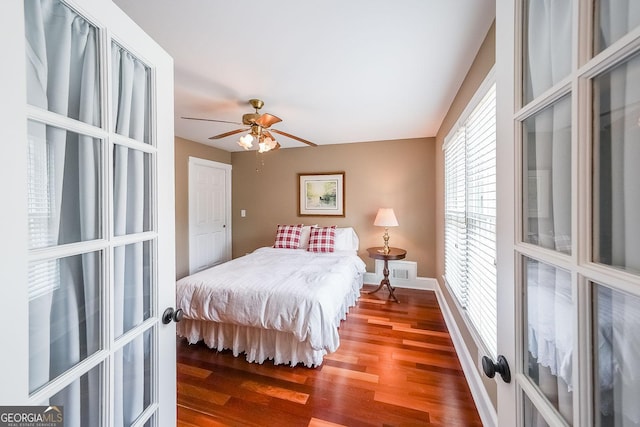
(321, 194)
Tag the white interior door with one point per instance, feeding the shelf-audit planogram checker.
(90, 257)
(568, 236)
(209, 214)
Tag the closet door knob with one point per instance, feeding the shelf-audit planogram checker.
(171, 314)
(501, 366)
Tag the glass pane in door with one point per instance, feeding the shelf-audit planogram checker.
(546, 182)
(616, 163)
(549, 346)
(532, 418)
(131, 191)
(65, 316)
(132, 95)
(614, 19)
(133, 376)
(64, 186)
(616, 370)
(81, 401)
(62, 61)
(132, 285)
(547, 38)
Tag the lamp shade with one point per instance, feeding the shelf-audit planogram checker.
(386, 218)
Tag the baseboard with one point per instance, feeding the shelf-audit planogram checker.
(485, 408)
(424, 283)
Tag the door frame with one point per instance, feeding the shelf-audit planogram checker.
(13, 227)
(228, 226)
(506, 178)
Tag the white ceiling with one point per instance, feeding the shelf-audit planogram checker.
(334, 71)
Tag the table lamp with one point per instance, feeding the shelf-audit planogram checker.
(386, 218)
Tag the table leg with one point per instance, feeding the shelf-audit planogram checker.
(385, 282)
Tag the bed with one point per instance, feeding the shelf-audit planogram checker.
(283, 303)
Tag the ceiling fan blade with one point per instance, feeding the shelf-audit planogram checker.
(297, 138)
(211, 120)
(265, 120)
(223, 135)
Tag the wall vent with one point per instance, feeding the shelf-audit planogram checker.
(399, 273)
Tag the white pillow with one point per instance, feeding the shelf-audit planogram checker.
(304, 237)
(346, 239)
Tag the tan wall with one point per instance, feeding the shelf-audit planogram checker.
(397, 174)
(485, 59)
(183, 150)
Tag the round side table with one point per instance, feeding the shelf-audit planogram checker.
(394, 254)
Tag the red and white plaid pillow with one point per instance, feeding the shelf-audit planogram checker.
(322, 239)
(288, 236)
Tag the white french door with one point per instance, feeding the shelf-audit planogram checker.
(568, 114)
(88, 235)
(209, 213)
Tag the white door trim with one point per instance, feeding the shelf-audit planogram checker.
(228, 226)
(506, 163)
(13, 227)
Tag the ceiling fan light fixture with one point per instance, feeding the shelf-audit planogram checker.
(270, 142)
(246, 141)
(266, 144)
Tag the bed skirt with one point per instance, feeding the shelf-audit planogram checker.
(257, 344)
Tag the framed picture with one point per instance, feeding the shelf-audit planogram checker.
(321, 194)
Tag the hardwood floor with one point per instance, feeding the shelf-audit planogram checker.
(396, 366)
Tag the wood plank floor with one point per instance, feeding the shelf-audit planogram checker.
(396, 366)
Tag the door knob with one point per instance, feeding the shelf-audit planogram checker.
(501, 366)
(171, 314)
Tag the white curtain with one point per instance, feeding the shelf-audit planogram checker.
(549, 35)
(130, 194)
(550, 333)
(549, 59)
(619, 207)
(62, 323)
(620, 92)
(618, 344)
(617, 203)
(550, 225)
(65, 321)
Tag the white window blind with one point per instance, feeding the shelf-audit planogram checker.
(470, 215)
(43, 276)
(40, 189)
(455, 217)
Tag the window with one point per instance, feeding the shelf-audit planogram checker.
(470, 214)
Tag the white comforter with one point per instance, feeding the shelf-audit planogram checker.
(288, 290)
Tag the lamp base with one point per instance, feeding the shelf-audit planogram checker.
(385, 249)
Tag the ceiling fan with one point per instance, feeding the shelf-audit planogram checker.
(259, 128)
